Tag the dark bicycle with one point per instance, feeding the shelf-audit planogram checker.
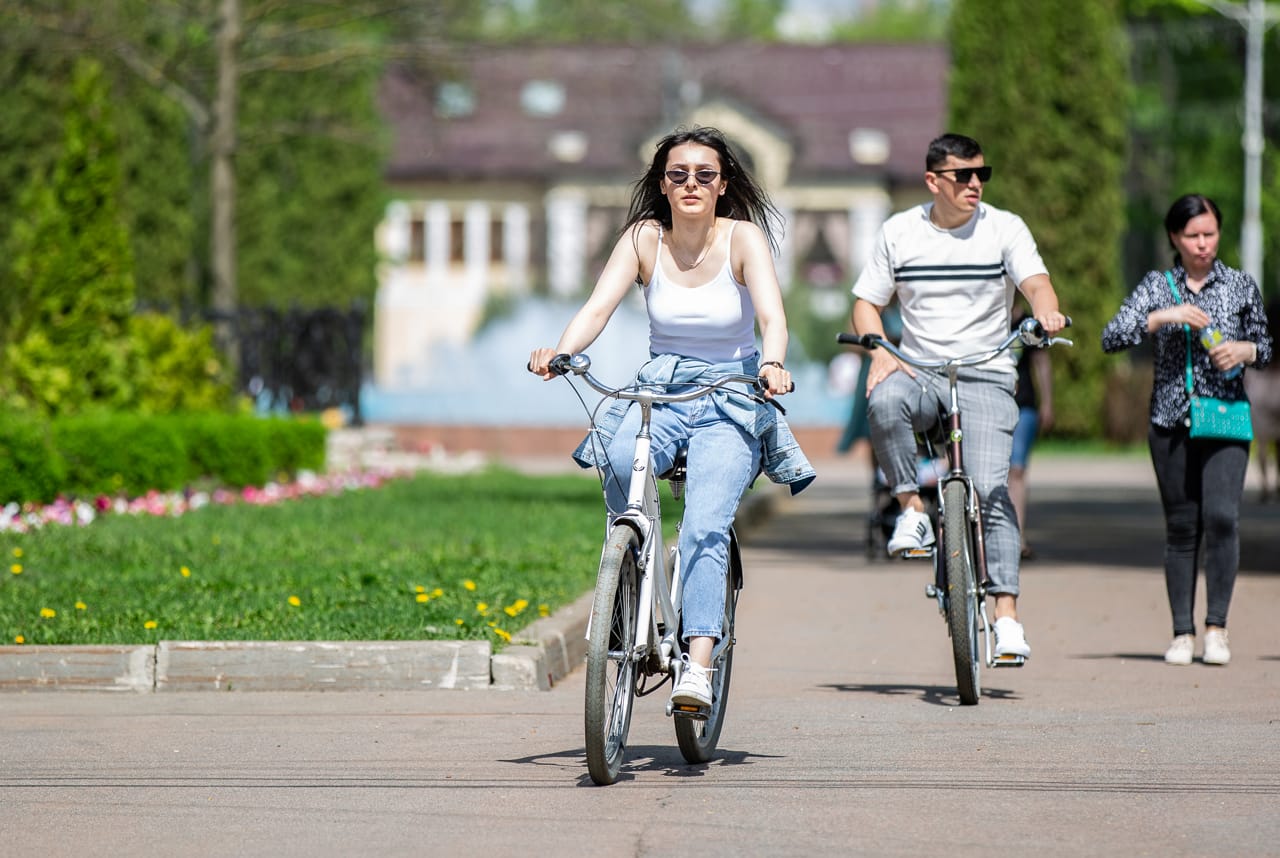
(960, 569)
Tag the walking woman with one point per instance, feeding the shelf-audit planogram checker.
(698, 241)
(1201, 479)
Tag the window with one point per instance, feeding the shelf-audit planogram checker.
(542, 98)
(455, 99)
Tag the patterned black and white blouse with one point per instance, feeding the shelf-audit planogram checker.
(1232, 300)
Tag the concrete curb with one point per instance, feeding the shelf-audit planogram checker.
(539, 656)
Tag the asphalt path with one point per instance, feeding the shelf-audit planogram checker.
(844, 734)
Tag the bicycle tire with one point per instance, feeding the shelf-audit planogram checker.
(962, 592)
(611, 672)
(698, 739)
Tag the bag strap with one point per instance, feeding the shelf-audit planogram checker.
(1186, 329)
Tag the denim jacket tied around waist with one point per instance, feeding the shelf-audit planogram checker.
(781, 458)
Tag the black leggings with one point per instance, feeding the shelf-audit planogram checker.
(1201, 482)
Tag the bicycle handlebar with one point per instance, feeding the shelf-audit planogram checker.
(1030, 332)
(580, 365)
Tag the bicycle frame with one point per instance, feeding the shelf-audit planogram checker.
(657, 645)
(1031, 334)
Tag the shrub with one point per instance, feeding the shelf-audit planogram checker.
(30, 468)
(109, 453)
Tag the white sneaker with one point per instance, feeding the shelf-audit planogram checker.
(694, 687)
(1010, 639)
(912, 532)
(1179, 652)
(1216, 650)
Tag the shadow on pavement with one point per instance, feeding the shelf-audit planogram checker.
(663, 759)
(1106, 526)
(936, 695)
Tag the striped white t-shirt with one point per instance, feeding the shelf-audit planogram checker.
(955, 286)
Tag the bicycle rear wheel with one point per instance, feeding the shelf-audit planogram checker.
(611, 671)
(962, 592)
(698, 739)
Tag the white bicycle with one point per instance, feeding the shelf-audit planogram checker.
(634, 631)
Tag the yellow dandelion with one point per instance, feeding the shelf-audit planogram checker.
(186, 573)
(521, 604)
(150, 624)
(458, 621)
(48, 613)
(19, 639)
(17, 552)
(468, 584)
(16, 569)
(295, 601)
(422, 598)
(493, 624)
(544, 610)
(481, 607)
(437, 593)
(419, 589)
(81, 606)
(502, 633)
(510, 610)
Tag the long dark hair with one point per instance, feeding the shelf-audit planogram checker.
(743, 199)
(1185, 208)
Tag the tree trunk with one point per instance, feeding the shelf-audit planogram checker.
(223, 177)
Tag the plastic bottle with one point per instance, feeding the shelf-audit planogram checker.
(1210, 337)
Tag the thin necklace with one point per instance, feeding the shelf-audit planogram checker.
(711, 241)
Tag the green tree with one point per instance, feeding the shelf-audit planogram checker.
(69, 291)
(1048, 100)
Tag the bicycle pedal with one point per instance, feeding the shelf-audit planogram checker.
(696, 713)
(1009, 661)
(917, 553)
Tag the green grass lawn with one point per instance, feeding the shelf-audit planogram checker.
(475, 556)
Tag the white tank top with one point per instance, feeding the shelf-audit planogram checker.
(713, 322)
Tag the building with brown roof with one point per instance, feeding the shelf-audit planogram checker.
(515, 176)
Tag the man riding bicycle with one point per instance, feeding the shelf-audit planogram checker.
(953, 265)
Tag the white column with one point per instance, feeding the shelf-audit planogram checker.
(437, 249)
(566, 241)
(515, 246)
(394, 233)
(866, 216)
(476, 244)
(785, 261)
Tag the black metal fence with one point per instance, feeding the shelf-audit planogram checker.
(296, 359)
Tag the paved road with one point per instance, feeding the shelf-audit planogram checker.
(844, 734)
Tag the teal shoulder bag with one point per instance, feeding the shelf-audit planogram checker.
(1221, 419)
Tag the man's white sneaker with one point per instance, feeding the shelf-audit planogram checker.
(1216, 650)
(913, 531)
(1010, 639)
(694, 687)
(1179, 652)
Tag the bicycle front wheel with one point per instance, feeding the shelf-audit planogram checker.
(962, 591)
(698, 739)
(611, 671)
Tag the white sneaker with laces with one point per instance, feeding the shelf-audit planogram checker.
(1216, 650)
(694, 687)
(1179, 652)
(1010, 639)
(912, 532)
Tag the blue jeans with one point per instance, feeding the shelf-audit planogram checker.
(722, 460)
(1024, 437)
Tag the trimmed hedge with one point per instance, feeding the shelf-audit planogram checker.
(109, 453)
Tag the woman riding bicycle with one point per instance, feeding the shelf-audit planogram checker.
(698, 241)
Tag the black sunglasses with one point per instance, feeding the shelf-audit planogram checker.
(964, 174)
(679, 177)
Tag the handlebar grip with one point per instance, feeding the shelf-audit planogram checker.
(867, 341)
(559, 364)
